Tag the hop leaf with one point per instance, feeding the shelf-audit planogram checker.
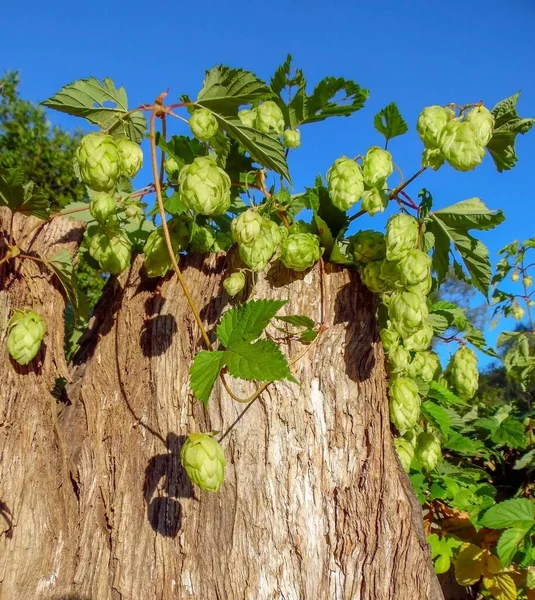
(25, 332)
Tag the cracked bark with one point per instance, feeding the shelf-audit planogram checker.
(315, 504)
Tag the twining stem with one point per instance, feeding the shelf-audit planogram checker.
(162, 158)
(401, 187)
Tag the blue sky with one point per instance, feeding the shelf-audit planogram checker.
(415, 53)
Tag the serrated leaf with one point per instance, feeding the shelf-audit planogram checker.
(90, 98)
(20, 196)
(77, 211)
(441, 393)
(511, 433)
(470, 214)
(173, 205)
(203, 373)
(508, 124)
(246, 322)
(182, 148)
(308, 336)
(341, 252)
(298, 321)
(389, 122)
(519, 512)
(476, 337)
(465, 446)
(509, 543)
(318, 200)
(527, 461)
(322, 104)
(281, 77)
(325, 235)
(61, 265)
(438, 416)
(440, 321)
(261, 361)
(225, 90)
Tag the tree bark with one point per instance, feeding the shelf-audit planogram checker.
(314, 506)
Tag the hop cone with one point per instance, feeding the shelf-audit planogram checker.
(405, 452)
(391, 274)
(131, 156)
(235, 283)
(463, 374)
(425, 365)
(203, 124)
(102, 206)
(257, 255)
(202, 240)
(157, 259)
(517, 311)
(408, 312)
(404, 403)
(428, 450)
(415, 267)
(204, 187)
(421, 340)
(100, 161)
(423, 288)
(372, 279)
(171, 168)
(401, 236)
(460, 146)
(345, 183)
(431, 122)
(374, 201)
(291, 138)
(269, 118)
(432, 157)
(481, 121)
(247, 117)
(204, 461)
(377, 166)
(300, 251)
(398, 360)
(527, 280)
(112, 250)
(367, 246)
(246, 227)
(389, 338)
(25, 332)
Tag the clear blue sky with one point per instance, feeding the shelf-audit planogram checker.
(414, 52)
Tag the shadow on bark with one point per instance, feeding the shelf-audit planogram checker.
(164, 513)
(156, 345)
(7, 515)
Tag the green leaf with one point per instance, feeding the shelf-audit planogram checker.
(61, 265)
(441, 393)
(341, 252)
(322, 104)
(77, 211)
(182, 148)
(225, 90)
(90, 98)
(22, 197)
(246, 322)
(203, 373)
(527, 461)
(326, 237)
(511, 433)
(438, 416)
(281, 78)
(465, 446)
(261, 361)
(319, 201)
(173, 205)
(308, 336)
(508, 124)
(519, 512)
(509, 543)
(442, 551)
(389, 122)
(298, 321)
(470, 214)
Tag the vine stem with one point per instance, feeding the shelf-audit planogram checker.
(401, 187)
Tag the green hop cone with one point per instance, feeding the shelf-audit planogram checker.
(100, 161)
(202, 240)
(345, 183)
(460, 147)
(431, 122)
(291, 138)
(300, 251)
(246, 227)
(404, 403)
(408, 312)
(257, 255)
(428, 451)
(377, 166)
(112, 250)
(157, 259)
(247, 117)
(398, 360)
(415, 267)
(433, 158)
(203, 124)
(102, 206)
(401, 236)
(423, 288)
(389, 338)
(481, 121)
(515, 276)
(405, 452)
(235, 283)
(425, 365)
(527, 280)
(374, 201)
(367, 245)
(421, 340)
(269, 118)
(25, 332)
(462, 373)
(517, 312)
(172, 168)
(204, 187)
(372, 279)
(204, 461)
(134, 211)
(131, 156)
(391, 274)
